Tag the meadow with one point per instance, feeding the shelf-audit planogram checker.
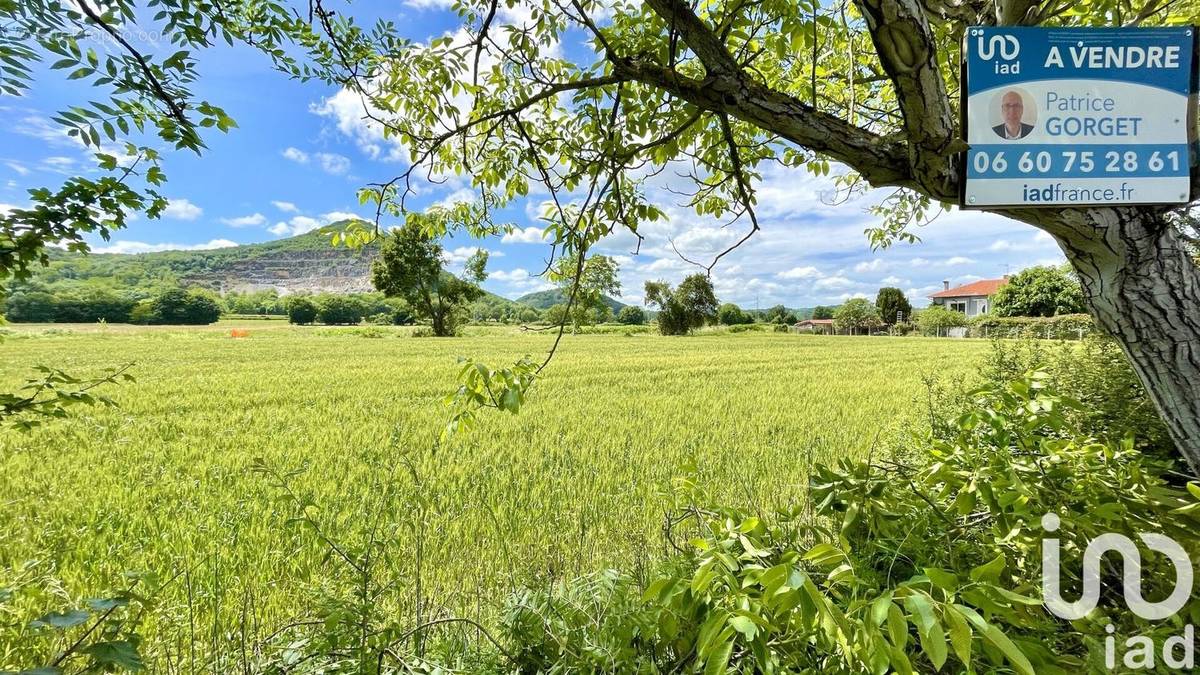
(165, 483)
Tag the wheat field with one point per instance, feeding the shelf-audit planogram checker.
(165, 482)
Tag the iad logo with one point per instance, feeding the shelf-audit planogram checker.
(1140, 650)
(1007, 47)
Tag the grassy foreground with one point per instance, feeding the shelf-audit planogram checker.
(573, 485)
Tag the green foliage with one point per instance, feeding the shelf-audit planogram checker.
(862, 587)
(335, 310)
(481, 387)
(49, 395)
(936, 320)
(822, 312)
(892, 304)
(301, 310)
(1094, 372)
(101, 636)
(730, 314)
(1039, 291)
(1061, 327)
(684, 309)
(857, 315)
(179, 307)
(631, 316)
(588, 282)
(410, 267)
(780, 315)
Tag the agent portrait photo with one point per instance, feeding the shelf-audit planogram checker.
(1012, 112)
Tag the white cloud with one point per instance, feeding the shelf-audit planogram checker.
(5, 208)
(18, 167)
(528, 235)
(296, 155)
(893, 280)
(517, 275)
(300, 224)
(182, 209)
(958, 260)
(806, 272)
(833, 282)
(286, 207)
(297, 225)
(333, 163)
(130, 247)
(245, 221)
(335, 216)
(847, 296)
(345, 108)
(869, 265)
(58, 161)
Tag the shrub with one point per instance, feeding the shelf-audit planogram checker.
(179, 307)
(730, 314)
(631, 316)
(301, 311)
(339, 309)
(1095, 372)
(1065, 326)
(930, 564)
(936, 320)
(1039, 291)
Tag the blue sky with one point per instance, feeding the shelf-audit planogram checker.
(302, 150)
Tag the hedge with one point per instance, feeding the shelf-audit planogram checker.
(1062, 327)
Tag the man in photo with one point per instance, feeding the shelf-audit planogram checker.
(1011, 110)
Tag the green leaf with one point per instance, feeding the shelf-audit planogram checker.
(999, 640)
(897, 626)
(944, 580)
(960, 634)
(989, 572)
(61, 620)
(122, 653)
(744, 626)
(718, 660)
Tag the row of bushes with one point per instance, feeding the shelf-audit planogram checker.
(1065, 326)
(168, 306)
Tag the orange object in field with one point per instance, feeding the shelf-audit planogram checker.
(238, 333)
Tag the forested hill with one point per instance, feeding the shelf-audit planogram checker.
(307, 262)
(545, 299)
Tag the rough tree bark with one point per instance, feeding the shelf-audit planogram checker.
(1140, 283)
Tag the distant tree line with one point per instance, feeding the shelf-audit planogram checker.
(171, 305)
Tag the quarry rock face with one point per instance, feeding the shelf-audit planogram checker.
(333, 271)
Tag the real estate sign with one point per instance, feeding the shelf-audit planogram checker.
(1074, 116)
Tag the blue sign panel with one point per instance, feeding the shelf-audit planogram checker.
(1078, 116)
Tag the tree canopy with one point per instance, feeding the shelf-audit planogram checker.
(410, 267)
(685, 308)
(1038, 291)
(857, 315)
(892, 304)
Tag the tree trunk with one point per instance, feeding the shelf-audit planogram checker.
(1142, 286)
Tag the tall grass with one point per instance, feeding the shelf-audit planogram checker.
(572, 485)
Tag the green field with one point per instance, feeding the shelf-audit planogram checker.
(572, 485)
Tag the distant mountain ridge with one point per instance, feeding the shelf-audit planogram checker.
(541, 300)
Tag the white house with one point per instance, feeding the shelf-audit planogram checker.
(971, 299)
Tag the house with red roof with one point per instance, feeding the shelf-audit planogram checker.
(971, 299)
